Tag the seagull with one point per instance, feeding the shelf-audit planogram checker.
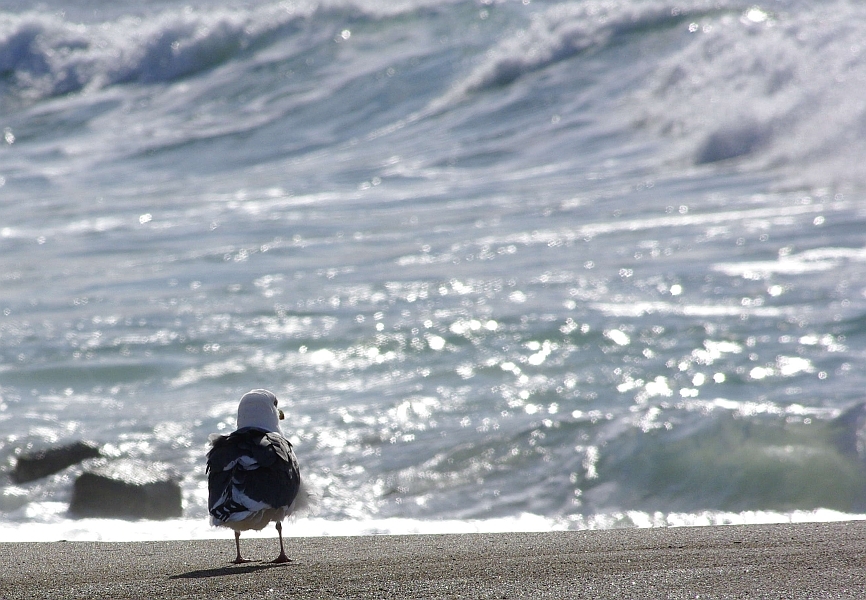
(253, 475)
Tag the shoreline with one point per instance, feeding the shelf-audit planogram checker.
(199, 528)
(805, 560)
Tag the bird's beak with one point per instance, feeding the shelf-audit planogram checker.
(282, 416)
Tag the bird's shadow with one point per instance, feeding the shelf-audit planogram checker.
(227, 570)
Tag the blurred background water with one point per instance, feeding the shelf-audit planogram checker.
(507, 265)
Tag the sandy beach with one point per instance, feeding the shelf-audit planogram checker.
(765, 561)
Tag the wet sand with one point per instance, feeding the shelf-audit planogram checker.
(756, 561)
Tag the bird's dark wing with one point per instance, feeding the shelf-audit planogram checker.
(249, 470)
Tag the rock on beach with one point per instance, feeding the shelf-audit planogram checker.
(42, 463)
(127, 489)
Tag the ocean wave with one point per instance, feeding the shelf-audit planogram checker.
(45, 54)
(776, 92)
(732, 83)
(565, 30)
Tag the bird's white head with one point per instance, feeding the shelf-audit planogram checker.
(258, 408)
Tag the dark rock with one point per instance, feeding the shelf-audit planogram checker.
(46, 462)
(127, 489)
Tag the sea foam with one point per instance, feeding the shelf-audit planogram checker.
(772, 90)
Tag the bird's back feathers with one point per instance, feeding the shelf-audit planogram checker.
(253, 479)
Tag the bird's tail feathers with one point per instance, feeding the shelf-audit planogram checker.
(307, 499)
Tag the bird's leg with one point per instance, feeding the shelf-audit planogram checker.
(282, 558)
(238, 560)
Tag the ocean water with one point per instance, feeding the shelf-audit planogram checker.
(507, 264)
